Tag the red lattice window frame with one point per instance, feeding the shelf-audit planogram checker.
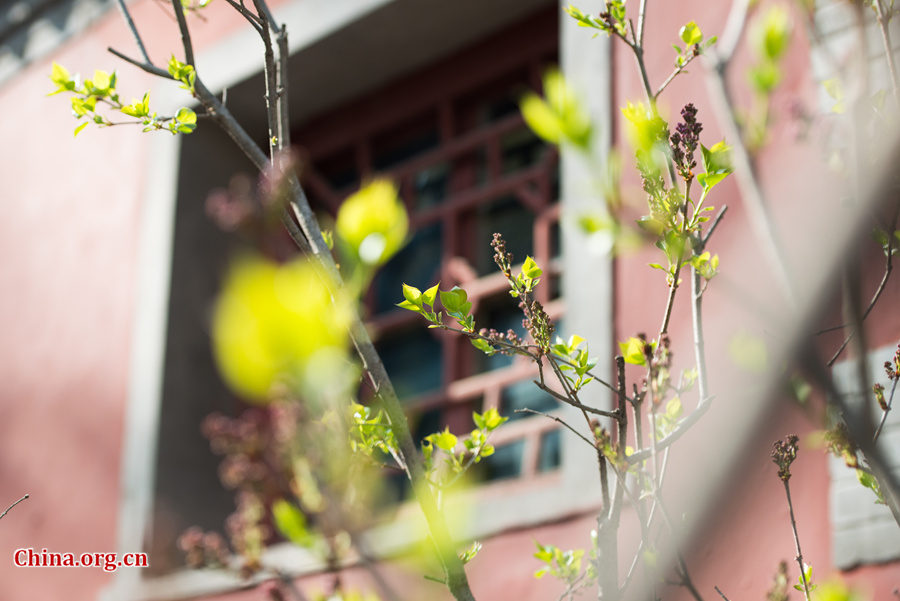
(457, 122)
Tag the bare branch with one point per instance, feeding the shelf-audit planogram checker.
(134, 32)
(733, 31)
(185, 33)
(642, 13)
(745, 171)
(675, 73)
(799, 558)
(884, 18)
(683, 426)
(558, 420)
(573, 402)
(144, 66)
(249, 16)
(713, 226)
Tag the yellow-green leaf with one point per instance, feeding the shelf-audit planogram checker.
(373, 222)
(271, 320)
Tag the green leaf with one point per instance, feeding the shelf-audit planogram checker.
(633, 351)
(413, 295)
(531, 269)
(869, 481)
(772, 33)
(186, 116)
(291, 523)
(717, 162)
(584, 20)
(443, 440)
(454, 300)
(469, 553)
(491, 420)
(483, 346)
(429, 296)
(558, 117)
(373, 222)
(764, 76)
(101, 82)
(690, 34)
(674, 408)
(60, 75)
(540, 118)
(79, 128)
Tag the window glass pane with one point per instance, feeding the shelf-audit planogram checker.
(418, 264)
(524, 395)
(414, 361)
(429, 422)
(506, 462)
(514, 222)
(430, 185)
(520, 149)
(549, 453)
(393, 149)
(340, 171)
(501, 313)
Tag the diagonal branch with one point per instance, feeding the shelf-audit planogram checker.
(134, 31)
(143, 66)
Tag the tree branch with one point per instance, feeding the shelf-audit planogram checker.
(5, 511)
(144, 66)
(558, 420)
(799, 558)
(134, 32)
(185, 33)
(683, 426)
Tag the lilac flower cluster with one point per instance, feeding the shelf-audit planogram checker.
(685, 140)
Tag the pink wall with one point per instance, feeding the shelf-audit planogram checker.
(68, 238)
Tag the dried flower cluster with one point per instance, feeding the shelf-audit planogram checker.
(784, 453)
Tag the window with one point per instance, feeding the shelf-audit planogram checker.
(467, 166)
(858, 523)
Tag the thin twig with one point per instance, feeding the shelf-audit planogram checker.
(558, 420)
(721, 594)
(873, 455)
(675, 73)
(569, 401)
(787, 492)
(683, 426)
(642, 13)
(5, 511)
(270, 76)
(249, 16)
(134, 32)
(713, 225)
(745, 171)
(144, 66)
(888, 268)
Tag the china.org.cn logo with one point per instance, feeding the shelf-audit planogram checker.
(108, 562)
